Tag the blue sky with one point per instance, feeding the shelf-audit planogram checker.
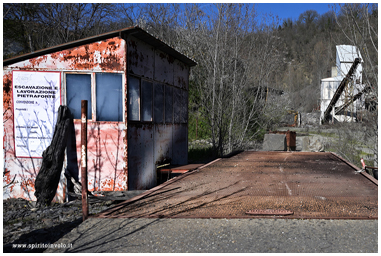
(282, 9)
(291, 10)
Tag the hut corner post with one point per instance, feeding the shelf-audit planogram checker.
(85, 205)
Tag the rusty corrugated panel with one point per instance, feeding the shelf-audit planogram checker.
(7, 95)
(160, 45)
(106, 146)
(107, 55)
(167, 142)
(141, 168)
(105, 154)
(162, 144)
(135, 31)
(163, 67)
(141, 58)
(309, 184)
(19, 173)
(180, 144)
(181, 75)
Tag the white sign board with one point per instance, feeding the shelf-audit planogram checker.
(36, 99)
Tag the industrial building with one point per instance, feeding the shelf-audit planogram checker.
(341, 97)
(137, 92)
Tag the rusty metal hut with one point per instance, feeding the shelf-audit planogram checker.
(137, 92)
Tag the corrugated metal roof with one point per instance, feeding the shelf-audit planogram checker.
(134, 31)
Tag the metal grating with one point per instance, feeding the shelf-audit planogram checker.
(311, 185)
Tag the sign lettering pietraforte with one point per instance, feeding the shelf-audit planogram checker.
(36, 99)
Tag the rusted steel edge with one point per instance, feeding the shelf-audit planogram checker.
(205, 165)
(148, 192)
(366, 175)
(277, 212)
(244, 217)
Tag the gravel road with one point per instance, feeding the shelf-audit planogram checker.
(221, 236)
(25, 225)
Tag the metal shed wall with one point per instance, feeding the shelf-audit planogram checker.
(106, 168)
(151, 144)
(112, 149)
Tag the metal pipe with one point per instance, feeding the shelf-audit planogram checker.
(162, 165)
(85, 204)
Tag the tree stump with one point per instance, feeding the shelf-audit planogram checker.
(48, 177)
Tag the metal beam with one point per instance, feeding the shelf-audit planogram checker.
(339, 110)
(340, 89)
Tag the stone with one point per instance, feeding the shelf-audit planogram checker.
(25, 229)
(48, 222)
(275, 142)
(316, 144)
(305, 144)
(33, 215)
(308, 119)
(19, 224)
(118, 194)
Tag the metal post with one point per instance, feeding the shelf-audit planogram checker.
(85, 205)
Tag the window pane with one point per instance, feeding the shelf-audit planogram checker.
(168, 104)
(78, 88)
(146, 101)
(133, 99)
(109, 97)
(158, 103)
(177, 100)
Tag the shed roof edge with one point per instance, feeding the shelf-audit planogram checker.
(134, 31)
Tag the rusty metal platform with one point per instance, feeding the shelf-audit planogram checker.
(305, 184)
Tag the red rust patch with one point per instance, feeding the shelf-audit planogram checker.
(35, 62)
(7, 96)
(28, 185)
(7, 179)
(108, 55)
(169, 58)
(269, 212)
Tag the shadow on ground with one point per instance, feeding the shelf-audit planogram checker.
(40, 238)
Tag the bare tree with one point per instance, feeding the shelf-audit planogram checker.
(20, 21)
(235, 61)
(359, 27)
(160, 19)
(42, 25)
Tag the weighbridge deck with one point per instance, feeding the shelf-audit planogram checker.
(267, 184)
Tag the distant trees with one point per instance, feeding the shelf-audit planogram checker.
(41, 25)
